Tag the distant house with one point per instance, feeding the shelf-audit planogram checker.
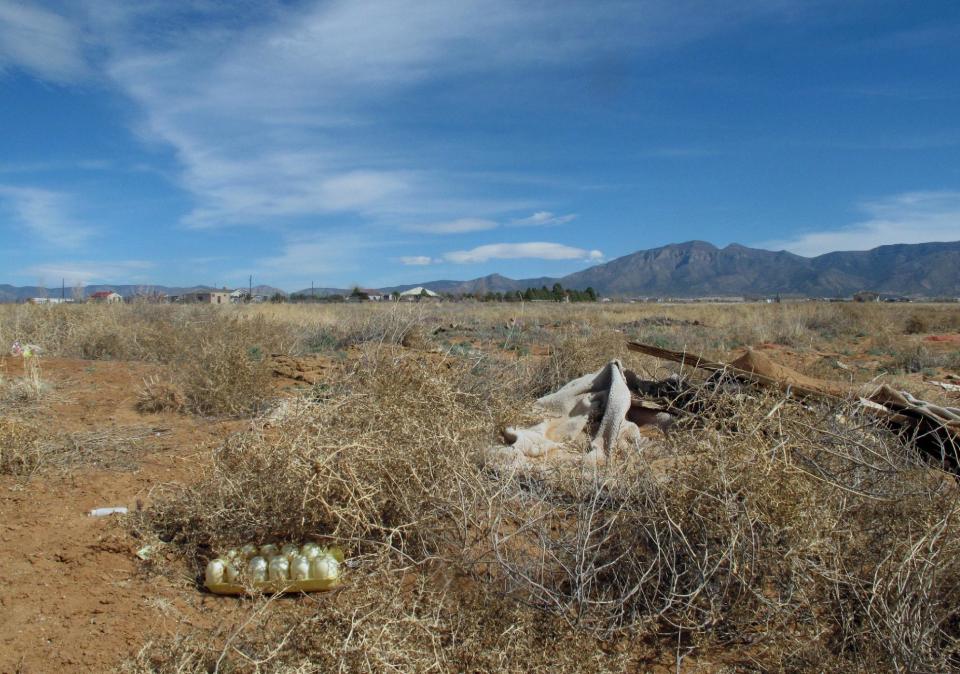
(239, 295)
(866, 296)
(50, 300)
(374, 295)
(106, 297)
(205, 297)
(418, 294)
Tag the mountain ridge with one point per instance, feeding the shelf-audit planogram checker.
(699, 269)
(689, 269)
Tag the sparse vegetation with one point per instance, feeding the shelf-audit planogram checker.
(21, 446)
(764, 534)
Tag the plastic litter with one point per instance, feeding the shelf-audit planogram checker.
(275, 568)
(103, 512)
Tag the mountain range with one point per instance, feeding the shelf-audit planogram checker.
(691, 269)
(700, 269)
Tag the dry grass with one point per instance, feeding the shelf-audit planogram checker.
(768, 535)
(796, 538)
(156, 395)
(790, 537)
(28, 446)
(22, 447)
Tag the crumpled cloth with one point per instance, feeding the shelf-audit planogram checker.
(570, 415)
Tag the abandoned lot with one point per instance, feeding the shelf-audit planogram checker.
(776, 533)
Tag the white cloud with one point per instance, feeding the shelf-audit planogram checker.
(276, 110)
(416, 260)
(39, 41)
(540, 250)
(544, 218)
(460, 226)
(326, 258)
(122, 272)
(46, 214)
(911, 217)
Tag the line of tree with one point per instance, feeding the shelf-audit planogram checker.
(555, 294)
(559, 294)
(307, 297)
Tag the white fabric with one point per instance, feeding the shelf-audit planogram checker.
(567, 412)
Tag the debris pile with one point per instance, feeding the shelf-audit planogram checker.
(933, 429)
(592, 417)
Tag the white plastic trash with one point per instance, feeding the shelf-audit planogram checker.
(103, 512)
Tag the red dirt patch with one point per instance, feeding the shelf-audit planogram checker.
(72, 595)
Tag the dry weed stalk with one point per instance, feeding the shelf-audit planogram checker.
(784, 536)
(156, 395)
(801, 535)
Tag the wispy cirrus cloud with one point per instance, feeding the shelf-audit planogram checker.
(416, 260)
(321, 257)
(90, 271)
(466, 225)
(540, 250)
(910, 217)
(544, 219)
(46, 214)
(283, 111)
(459, 226)
(40, 42)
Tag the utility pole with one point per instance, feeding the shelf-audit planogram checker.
(313, 294)
(63, 289)
(250, 290)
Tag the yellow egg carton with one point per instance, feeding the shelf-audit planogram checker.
(272, 568)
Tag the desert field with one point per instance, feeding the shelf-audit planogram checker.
(759, 531)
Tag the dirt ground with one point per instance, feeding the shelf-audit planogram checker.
(74, 595)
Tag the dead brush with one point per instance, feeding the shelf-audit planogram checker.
(223, 376)
(804, 537)
(23, 447)
(389, 621)
(379, 462)
(156, 395)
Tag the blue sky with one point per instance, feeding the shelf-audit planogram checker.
(380, 142)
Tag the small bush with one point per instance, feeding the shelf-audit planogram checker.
(221, 377)
(104, 346)
(916, 324)
(22, 447)
(159, 396)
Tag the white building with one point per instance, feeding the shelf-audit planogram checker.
(418, 293)
(50, 300)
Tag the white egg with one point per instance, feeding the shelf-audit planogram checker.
(257, 568)
(310, 550)
(215, 569)
(279, 568)
(289, 550)
(230, 573)
(268, 550)
(325, 568)
(249, 551)
(300, 568)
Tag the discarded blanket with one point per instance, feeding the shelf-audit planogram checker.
(588, 419)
